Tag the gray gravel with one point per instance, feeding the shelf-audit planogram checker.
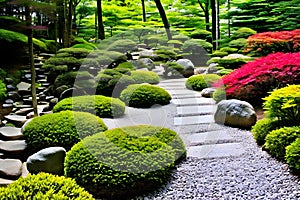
(254, 175)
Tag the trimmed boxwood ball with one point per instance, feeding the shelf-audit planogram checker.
(278, 140)
(144, 96)
(292, 156)
(201, 81)
(124, 161)
(44, 186)
(99, 105)
(145, 77)
(219, 95)
(63, 129)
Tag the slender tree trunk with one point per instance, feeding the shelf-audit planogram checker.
(69, 23)
(228, 8)
(31, 61)
(218, 23)
(101, 34)
(164, 18)
(214, 24)
(144, 10)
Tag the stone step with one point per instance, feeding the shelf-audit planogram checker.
(193, 101)
(23, 111)
(17, 120)
(14, 148)
(10, 133)
(181, 92)
(190, 120)
(195, 110)
(210, 137)
(4, 182)
(10, 168)
(216, 150)
(186, 96)
(177, 80)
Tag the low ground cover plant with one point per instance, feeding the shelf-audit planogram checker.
(63, 129)
(124, 161)
(44, 186)
(144, 96)
(99, 105)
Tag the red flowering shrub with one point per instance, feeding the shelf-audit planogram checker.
(271, 42)
(255, 79)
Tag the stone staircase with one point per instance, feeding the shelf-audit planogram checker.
(16, 110)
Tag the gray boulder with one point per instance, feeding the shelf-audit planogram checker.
(186, 64)
(49, 160)
(235, 113)
(208, 92)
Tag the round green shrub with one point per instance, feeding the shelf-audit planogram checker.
(124, 161)
(3, 91)
(173, 70)
(144, 96)
(229, 50)
(201, 34)
(99, 105)
(196, 45)
(243, 33)
(201, 81)
(87, 46)
(75, 52)
(63, 129)
(284, 104)
(262, 128)
(44, 186)
(51, 45)
(122, 46)
(180, 37)
(238, 43)
(219, 53)
(213, 60)
(277, 140)
(219, 94)
(292, 156)
(145, 77)
(165, 55)
(233, 61)
(127, 65)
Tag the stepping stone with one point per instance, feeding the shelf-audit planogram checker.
(13, 147)
(190, 120)
(17, 120)
(14, 95)
(10, 133)
(46, 55)
(195, 110)
(216, 151)
(21, 106)
(10, 88)
(180, 80)
(4, 182)
(7, 106)
(187, 96)
(211, 137)
(24, 111)
(23, 86)
(10, 167)
(182, 92)
(193, 101)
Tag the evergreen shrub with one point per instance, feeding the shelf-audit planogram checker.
(144, 77)
(292, 156)
(3, 91)
(201, 81)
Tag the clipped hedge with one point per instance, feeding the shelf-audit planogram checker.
(63, 129)
(99, 105)
(196, 45)
(278, 140)
(3, 91)
(292, 156)
(145, 77)
(165, 55)
(122, 46)
(44, 186)
(124, 161)
(263, 127)
(243, 32)
(201, 81)
(284, 104)
(173, 70)
(144, 96)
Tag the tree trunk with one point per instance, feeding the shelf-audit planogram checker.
(144, 10)
(214, 23)
(31, 61)
(69, 23)
(164, 18)
(101, 33)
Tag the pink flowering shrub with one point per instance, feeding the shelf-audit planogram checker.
(255, 79)
(271, 42)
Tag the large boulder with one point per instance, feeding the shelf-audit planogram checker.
(235, 113)
(186, 64)
(49, 160)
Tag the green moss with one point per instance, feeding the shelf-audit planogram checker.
(100, 105)
(44, 186)
(63, 129)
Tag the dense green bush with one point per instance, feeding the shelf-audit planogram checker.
(127, 65)
(74, 52)
(3, 92)
(101, 106)
(72, 63)
(238, 43)
(243, 33)
(278, 140)
(229, 50)
(122, 46)
(145, 77)
(201, 34)
(292, 156)
(233, 61)
(39, 45)
(196, 46)
(112, 81)
(284, 104)
(201, 81)
(263, 127)
(125, 161)
(165, 55)
(180, 37)
(213, 60)
(63, 129)
(219, 53)
(144, 96)
(175, 43)
(84, 46)
(173, 70)
(51, 45)
(219, 94)
(44, 186)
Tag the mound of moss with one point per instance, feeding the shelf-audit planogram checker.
(125, 161)
(99, 105)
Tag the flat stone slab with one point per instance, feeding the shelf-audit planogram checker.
(186, 96)
(180, 80)
(211, 137)
(193, 101)
(24, 111)
(10, 133)
(5, 182)
(23, 86)
(17, 120)
(10, 167)
(216, 150)
(195, 110)
(13, 147)
(189, 120)
(181, 92)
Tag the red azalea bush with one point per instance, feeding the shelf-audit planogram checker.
(271, 42)
(255, 79)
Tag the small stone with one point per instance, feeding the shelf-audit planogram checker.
(10, 133)
(10, 88)
(10, 167)
(9, 81)
(9, 101)
(208, 92)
